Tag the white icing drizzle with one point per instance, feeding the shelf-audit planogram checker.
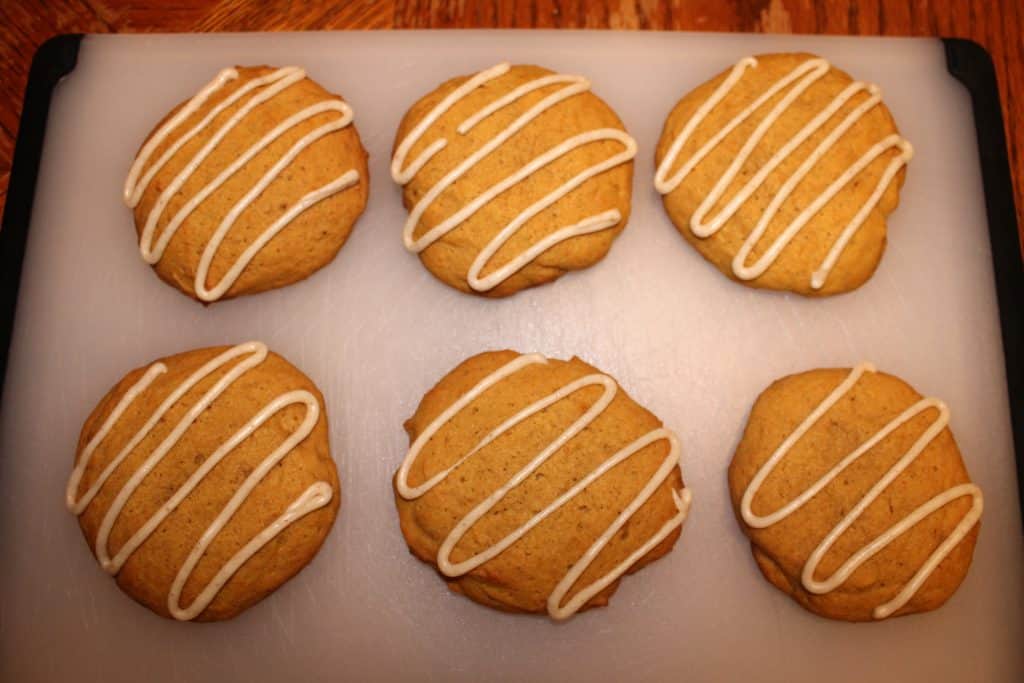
(316, 496)
(804, 76)
(868, 551)
(574, 85)
(555, 608)
(273, 83)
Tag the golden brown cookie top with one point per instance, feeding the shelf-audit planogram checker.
(253, 183)
(512, 177)
(781, 171)
(535, 484)
(853, 493)
(204, 481)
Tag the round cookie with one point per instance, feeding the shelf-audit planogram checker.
(853, 493)
(781, 172)
(253, 183)
(204, 481)
(512, 177)
(520, 467)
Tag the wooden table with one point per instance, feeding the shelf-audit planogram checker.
(998, 25)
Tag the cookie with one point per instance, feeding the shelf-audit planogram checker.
(512, 177)
(205, 480)
(252, 184)
(853, 493)
(781, 171)
(534, 485)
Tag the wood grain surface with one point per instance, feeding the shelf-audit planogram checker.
(998, 25)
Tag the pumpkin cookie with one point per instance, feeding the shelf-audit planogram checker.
(252, 184)
(205, 480)
(781, 172)
(534, 485)
(852, 491)
(512, 177)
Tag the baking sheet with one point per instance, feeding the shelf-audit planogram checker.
(375, 330)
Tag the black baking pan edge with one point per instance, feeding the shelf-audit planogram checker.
(53, 60)
(967, 61)
(971, 64)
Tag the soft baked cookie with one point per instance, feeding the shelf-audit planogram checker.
(226, 442)
(781, 171)
(852, 491)
(512, 177)
(534, 484)
(252, 184)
